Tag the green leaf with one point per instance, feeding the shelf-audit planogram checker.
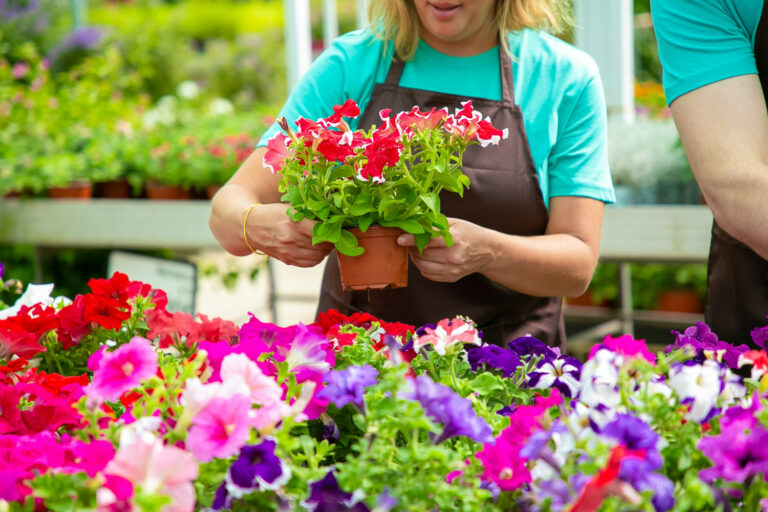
(347, 244)
(292, 196)
(432, 201)
(294, 214)
(320, 208)
(422, 239)
(326, 232)
(409, 225)
(486, 383)
(363, 204)
(364, 222)
(341, 171)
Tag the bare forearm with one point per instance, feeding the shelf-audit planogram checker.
(547, 265)
(228, 210)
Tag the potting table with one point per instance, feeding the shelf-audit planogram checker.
(652, 233)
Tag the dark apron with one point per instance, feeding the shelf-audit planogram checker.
(504, 195)
(737, 281)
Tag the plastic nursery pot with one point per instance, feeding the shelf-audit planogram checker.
(115, 189)
(161, 191)
(82, 190)
(384, 264)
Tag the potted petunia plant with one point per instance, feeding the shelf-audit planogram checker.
(390, 176)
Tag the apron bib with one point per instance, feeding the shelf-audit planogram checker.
(504, 195)
(737, 277)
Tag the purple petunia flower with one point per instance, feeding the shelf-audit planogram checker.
(326, 496)
(348, 386)
(256, 468)
(83, 38)
(494, 356)
(446, 407)
(741, 449)
(704, 342)
(562, 373)
(760, 336)
(635, 434)
(530, 346)
(2, 270)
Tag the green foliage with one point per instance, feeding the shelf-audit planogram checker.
(649, 280)
(42, 24)
(407, 198)
(63, 492)
(195, 19)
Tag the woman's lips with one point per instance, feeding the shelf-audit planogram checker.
(443, 11)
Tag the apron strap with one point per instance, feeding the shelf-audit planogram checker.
(505, 66)
(507, 80)
(395, 72)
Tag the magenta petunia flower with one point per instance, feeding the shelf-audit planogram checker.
(116, 372)
(221, 429)
(626, 346)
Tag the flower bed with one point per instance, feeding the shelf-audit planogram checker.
(111, 402)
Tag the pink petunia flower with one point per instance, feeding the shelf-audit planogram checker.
(221, 429)
(155, 468)
(116, 372)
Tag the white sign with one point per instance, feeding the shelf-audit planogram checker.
(177, 278)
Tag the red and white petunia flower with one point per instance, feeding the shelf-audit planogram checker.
(278, 152)
(447, 333)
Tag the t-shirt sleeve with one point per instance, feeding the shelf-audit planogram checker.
(317, 92)
(701, 42)
(578, 161)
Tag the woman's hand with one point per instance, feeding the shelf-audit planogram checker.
(270, 230)
(437, 262)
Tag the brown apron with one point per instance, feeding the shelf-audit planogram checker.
(737, 280)
(504, 195)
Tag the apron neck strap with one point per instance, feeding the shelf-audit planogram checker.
(505, 66)
(507, 80)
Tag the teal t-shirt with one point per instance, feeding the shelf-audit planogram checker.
(557, 86)
(704, 41)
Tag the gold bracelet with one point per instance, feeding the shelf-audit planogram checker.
(245, 233)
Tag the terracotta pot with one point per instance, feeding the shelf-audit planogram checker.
(82, 190)
(211, 190)
(681, 301)
(384, 264)
(115, 189)
(161, 191)
(13, 194)
(587, 299)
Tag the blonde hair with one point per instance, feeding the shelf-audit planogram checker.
(397, 20)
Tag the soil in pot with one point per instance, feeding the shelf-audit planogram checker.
(82, 190)
(384, 264)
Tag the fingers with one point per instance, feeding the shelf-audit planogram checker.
(407, 240)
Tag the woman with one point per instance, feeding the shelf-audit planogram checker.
(528, 230)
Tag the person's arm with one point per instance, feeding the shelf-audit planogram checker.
(724, 130)
(268, 227)
(560, 262)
